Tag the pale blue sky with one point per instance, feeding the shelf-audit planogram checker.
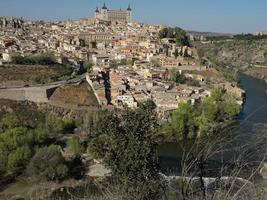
(202, 15)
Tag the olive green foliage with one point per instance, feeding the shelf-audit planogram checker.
(48, 163)
(8, 122)
(18, 142)
(190, 122)
(250, 37)
(180, 78)
(15, 149)
(56, 125)
(76, 147)
(125, 142)
(177, 33)
(36, 59)
(177, 77)
(155, 63)
(125, 62)
(183, 124)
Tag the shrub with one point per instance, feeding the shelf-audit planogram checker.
(8, 121)
(76, 146)
(36, 59)
(48, 163)
(40, 134)
(18, 159)
(54, 125)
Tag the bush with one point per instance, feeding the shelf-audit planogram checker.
(40, 134)
(76, 146)
(48, 163)
(18, 159)
(8, 121)
(54, 125)
(36, 79)
(36, 59)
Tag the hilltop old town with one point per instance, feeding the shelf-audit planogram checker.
(129, 62)
(108, 107)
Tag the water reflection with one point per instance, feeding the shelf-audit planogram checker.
(251, 122)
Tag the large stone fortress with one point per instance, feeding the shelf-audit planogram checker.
(114, 15)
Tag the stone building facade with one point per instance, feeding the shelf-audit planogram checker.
(105, 14)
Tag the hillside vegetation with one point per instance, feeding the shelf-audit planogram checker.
(240, 53)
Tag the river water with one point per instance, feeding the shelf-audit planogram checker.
(253, 114)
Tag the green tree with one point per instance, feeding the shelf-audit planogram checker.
(231, 108)
(177, 77)
(126, 144)
(176, 33)
(191, 122)
(182, 125)
(180, 78)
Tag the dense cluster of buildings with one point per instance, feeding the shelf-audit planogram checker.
(130, 63)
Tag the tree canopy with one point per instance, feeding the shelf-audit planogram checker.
(190, 122)
(125, 142)
(177, 33)
(19, 142)
(36, 59)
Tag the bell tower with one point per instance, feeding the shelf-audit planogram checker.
(129, 14)
(104, 12)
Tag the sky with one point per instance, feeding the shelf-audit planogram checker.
(225, 16)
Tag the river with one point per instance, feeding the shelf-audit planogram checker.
(254, 113)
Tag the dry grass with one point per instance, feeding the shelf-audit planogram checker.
(80, 95)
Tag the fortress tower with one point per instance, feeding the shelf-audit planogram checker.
(105, 14)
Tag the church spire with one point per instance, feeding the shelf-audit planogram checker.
(104, 6)
(97, 10)
(129, 8)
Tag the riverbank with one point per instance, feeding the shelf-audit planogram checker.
(250, 123)
(257, 72)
